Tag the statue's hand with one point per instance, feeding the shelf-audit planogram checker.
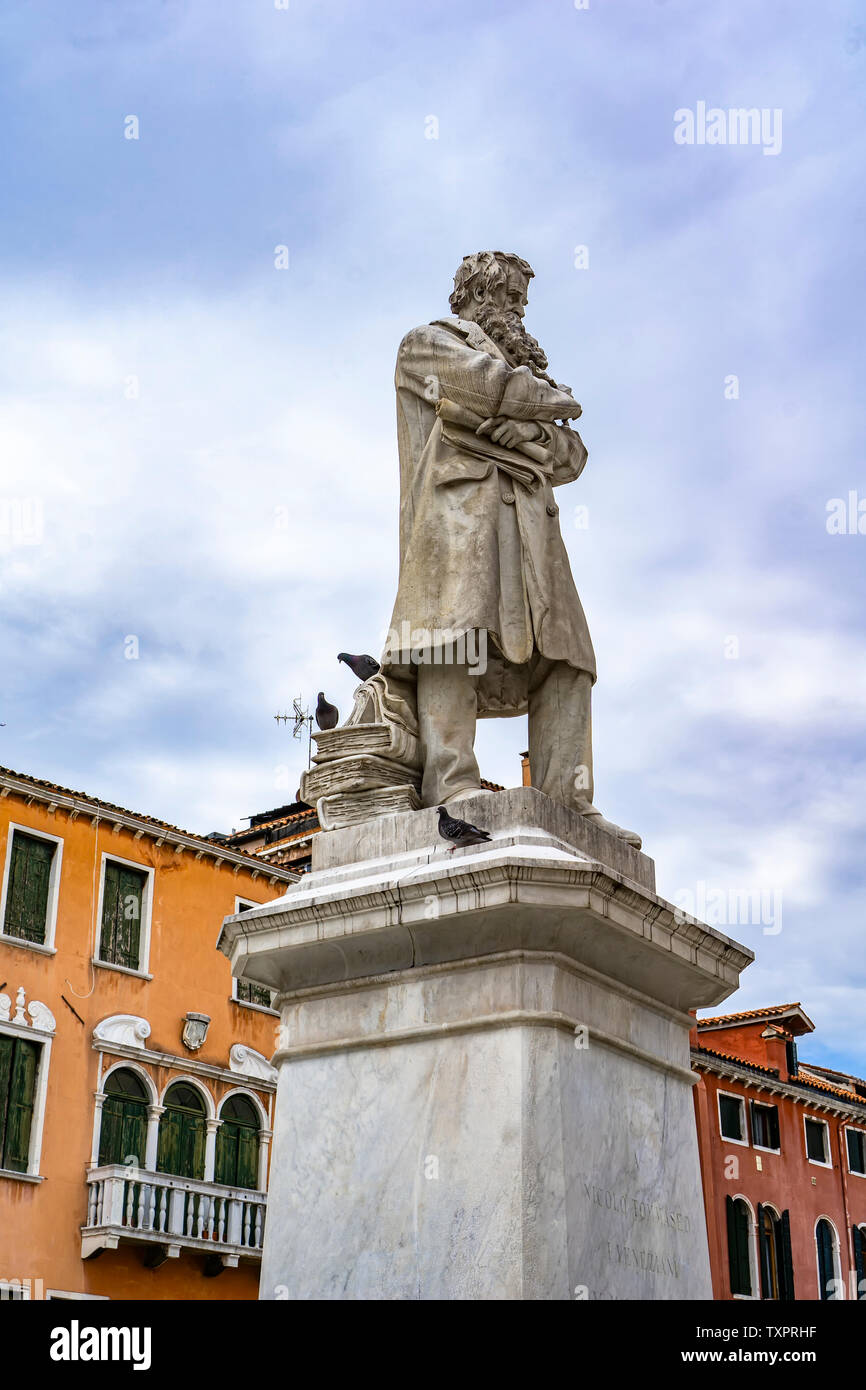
(510, 433)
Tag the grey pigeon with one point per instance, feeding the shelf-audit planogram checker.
(362, 666)
(327, 716)
(459, 832)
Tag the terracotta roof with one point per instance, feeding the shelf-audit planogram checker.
(772, 1011)
(797, 1021)
(740, 1061)
(215, 846)
(808, 1083)
(253, 830)
(296, 816)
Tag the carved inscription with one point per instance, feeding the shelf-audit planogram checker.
(637, 1213)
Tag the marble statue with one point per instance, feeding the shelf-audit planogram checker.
(487, 620)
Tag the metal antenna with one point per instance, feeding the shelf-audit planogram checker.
(299, 717)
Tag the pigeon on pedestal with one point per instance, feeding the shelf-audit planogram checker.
(362, 666)
(327, 716)
(459, 832)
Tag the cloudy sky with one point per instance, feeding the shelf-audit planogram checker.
(197, 447)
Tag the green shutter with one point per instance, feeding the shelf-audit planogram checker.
(738, 1246)
(826, 1273)
(123, 1131)
(122, 901)
(19, 1109)
(786, 1292)
(248, 1158)
(860, 1262)
(7, 1048)
(763, 1250)
(237, 1151)
(29, 879)
(182, 1132)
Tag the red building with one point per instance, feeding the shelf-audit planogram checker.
(782, 1145)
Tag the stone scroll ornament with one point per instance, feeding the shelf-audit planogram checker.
(371, 765)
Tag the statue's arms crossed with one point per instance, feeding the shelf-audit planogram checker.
(434, 362)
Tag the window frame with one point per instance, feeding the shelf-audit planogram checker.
(247, 1003)
(836, 1251)
(146, 914)
(862, 1132)
(726, 1139)
(754, 1265)
(764, 1148)
(43, 1040)
(262, 1127)
(47, 946)
(818, 1163)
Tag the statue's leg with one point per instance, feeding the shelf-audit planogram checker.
(560, 732)
(447, 710)
(560, 740)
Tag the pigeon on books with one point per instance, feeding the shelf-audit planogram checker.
(327, 716)
(459, 832)
(362, 666)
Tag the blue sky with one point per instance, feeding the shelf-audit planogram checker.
(206, 445)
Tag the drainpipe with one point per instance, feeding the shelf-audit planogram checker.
(849, 1239)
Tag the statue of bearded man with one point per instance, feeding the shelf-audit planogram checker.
(487, 619)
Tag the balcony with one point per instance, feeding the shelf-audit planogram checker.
(166, 1215)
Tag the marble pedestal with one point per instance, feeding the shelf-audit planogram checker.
(484, 1089)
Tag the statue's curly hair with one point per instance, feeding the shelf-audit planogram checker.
(490, 267)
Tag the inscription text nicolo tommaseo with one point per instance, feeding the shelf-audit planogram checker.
(636, 1211)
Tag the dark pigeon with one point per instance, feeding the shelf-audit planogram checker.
(459, 832)
(362, 666)
(327, 716)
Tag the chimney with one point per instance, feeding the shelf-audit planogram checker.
(524, 764)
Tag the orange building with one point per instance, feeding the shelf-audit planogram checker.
(782, 1144)
(135, 1090)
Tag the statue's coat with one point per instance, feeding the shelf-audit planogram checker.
(478, 550)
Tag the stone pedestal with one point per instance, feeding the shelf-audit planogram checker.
(484, 1089)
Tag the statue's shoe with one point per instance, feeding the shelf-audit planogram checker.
(630, 837)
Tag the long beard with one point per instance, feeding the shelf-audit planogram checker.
(508, 333)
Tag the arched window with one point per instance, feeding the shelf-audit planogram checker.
(182, 1132)
(739, 1246)
(770, 1262)
(123, 1132)
(774, 1244)
(237, 1146)
(828, 1272)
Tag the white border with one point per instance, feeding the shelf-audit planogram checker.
(816, 1162)
(47, 946)
(725, 1138)
(146, 912)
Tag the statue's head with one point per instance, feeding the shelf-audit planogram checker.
(495, 278)
(490, 289)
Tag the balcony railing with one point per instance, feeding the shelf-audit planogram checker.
(171, 1214)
